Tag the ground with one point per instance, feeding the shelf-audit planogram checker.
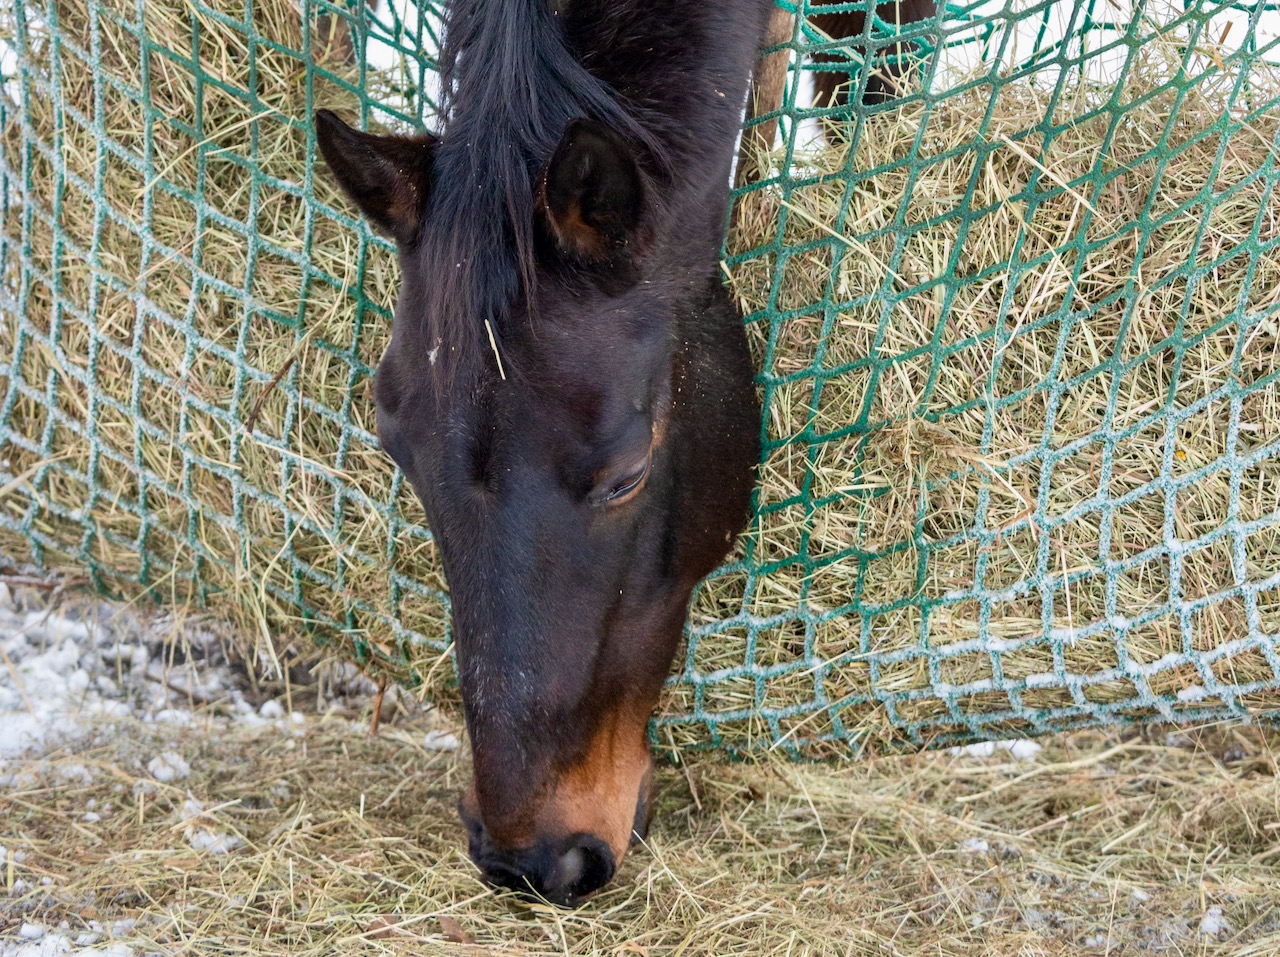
(155, 798)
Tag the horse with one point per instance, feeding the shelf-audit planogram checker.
(568, 389)
(884, 70)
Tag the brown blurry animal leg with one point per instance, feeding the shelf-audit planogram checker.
(331, 41)
(831, 87)
(768, 82)
(886, 81)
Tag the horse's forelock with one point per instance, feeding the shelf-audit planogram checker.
(511, 87)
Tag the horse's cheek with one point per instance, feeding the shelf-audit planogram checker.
(395, 447)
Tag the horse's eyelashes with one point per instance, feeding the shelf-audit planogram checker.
(627, 485)
(622, 488)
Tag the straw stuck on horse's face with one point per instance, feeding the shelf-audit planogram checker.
(568, 389)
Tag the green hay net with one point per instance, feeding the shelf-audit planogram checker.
(1062, 512)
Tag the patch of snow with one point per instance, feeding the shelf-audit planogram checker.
(169, 767)
(1020, 749)
(74, 774)
(215, 842)
(1023, 750)
(979, 749)
(199, 835)
(172, 716)
(1213, 924)
(79, 670)
(441, 741)
(59, 945)
(190, 810)
(974, 845)
(1192, 693)
(78, 665)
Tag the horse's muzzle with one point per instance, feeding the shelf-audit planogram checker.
(563, 872)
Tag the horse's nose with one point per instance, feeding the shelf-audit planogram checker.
(563, 872)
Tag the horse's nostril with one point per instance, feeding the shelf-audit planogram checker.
(563, 877)
(573, 863)
(500, 874)
(586, 867)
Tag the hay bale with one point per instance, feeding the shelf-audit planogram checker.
(963, 525)
(193, 314)
(1007, 402)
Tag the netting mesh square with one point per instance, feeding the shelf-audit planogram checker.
(1016, 331)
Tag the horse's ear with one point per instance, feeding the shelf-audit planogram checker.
(591, 191)
(388, 177)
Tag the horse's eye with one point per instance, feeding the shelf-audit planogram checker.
(623, 488)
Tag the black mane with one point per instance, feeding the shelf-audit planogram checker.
(510, 87)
